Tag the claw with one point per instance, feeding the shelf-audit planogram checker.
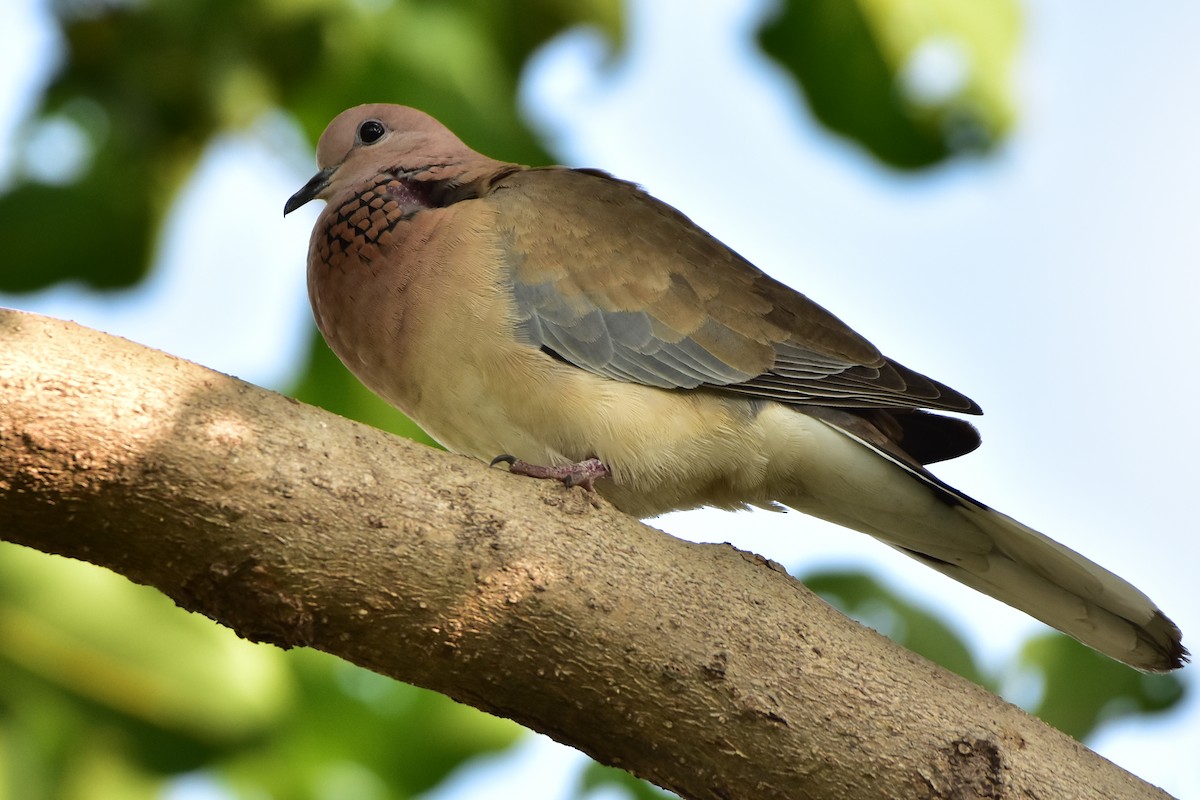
(583, 473)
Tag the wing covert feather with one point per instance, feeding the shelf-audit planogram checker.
(621, 284)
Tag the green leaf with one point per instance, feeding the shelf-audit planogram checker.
(1082, 689)
(129, 651)
(104, 683)
(353, 727)
(913, 81)
(596, 777)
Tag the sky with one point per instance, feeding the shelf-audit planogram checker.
(1053, 282)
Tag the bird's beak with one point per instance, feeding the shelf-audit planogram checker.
(314, 187)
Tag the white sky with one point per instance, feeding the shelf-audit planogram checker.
(1053, 283)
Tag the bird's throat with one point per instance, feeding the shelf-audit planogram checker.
(367, 222)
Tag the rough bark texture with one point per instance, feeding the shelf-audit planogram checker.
(704, 669)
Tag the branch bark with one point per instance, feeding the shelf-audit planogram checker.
(704, 669)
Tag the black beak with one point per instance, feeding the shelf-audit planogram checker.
(311, 189)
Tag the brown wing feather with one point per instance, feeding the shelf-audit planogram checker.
(614, 281)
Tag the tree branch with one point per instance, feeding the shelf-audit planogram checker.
(699, 667)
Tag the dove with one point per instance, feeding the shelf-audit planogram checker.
(571, 325)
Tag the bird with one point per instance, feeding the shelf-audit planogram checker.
(571, 325)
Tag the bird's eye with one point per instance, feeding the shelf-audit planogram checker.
(370, 131)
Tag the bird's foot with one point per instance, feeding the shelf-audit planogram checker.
(583, 473)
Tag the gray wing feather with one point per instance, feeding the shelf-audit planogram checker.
(680, 310)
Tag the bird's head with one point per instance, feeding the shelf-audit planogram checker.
(364, 141)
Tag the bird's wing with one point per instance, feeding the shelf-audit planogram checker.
(612, 280)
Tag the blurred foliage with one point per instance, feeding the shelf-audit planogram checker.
(597, 778)
(1111, 691)
(93, 709)
(913, 81)
(106, 689)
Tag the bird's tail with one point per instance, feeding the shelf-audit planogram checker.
(1032, 572)
(936, 524)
